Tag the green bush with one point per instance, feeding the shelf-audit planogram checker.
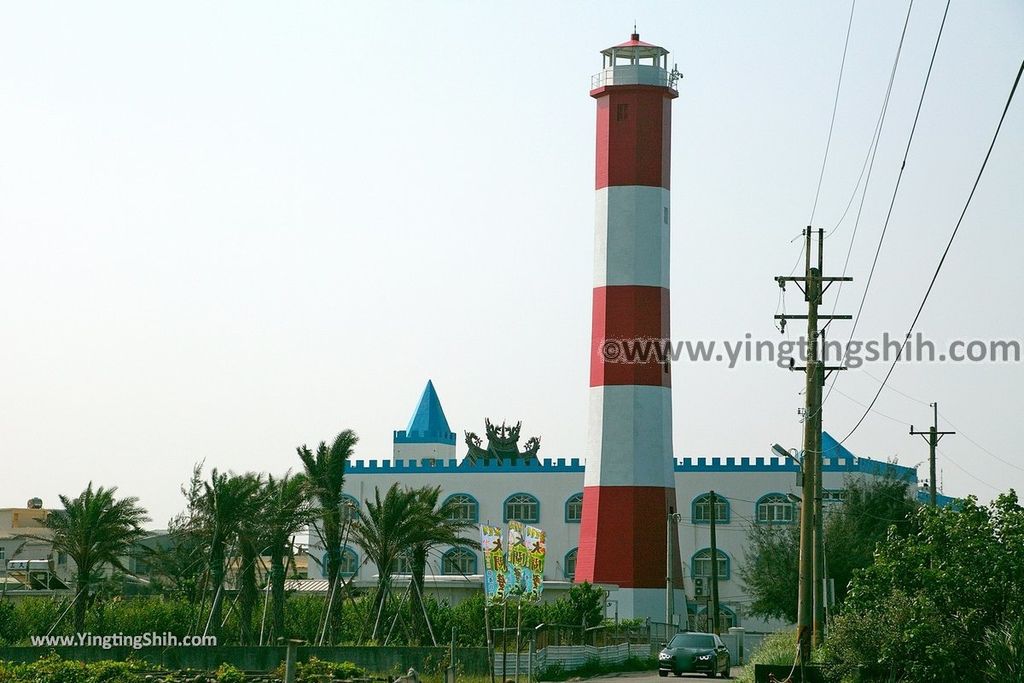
(1004, 653)
(229, 674)
(778, 649)
(53, 669)
(314, 669)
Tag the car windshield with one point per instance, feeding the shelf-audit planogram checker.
(693, 640)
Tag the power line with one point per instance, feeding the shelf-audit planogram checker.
(944, 417)
(895, 192)
(945, 253)
(835, 106)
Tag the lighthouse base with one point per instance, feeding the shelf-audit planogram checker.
(647, 603)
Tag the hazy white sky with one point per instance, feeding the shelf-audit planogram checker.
(231, 229)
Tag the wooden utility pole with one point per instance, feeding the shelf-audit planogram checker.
(810, 603)
(714, 565)
(932, 436)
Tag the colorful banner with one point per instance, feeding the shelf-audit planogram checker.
(495, 567)
(533, 575)
(518, 557)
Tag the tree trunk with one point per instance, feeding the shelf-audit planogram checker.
(277, 590)
(81, 599)
(247, 591)
(419, 569)
(217, 586)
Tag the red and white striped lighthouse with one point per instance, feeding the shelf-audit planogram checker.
(629, 488)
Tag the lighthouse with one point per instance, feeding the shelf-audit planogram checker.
(629, 489)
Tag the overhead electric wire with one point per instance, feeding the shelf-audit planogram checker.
(895, 193)
(945, 253)
(835, 106)
(960, 432)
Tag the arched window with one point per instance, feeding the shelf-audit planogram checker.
(349, 563)
(459, 562)
(349, 508)
(775, 508)
(701, 509)
(569, 565)
(522, 507)
(726, 619)
(402, 564)
(462, 507)
(700, 565)
(574, 509)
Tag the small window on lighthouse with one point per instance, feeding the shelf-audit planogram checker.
(621, 112)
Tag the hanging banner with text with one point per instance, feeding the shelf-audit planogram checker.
(495, 567)
(537, 549)
(518, 559)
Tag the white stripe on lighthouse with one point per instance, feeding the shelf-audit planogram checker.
(630, 436)
(631, 243)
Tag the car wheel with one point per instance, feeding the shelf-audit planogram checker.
(728, 670)
(663, 673)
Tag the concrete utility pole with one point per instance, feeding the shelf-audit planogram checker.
(714, 565)
(932, 436)
(810, 604)
(670, 594)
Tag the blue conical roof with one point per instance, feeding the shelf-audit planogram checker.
(429, 415)
(428, 423)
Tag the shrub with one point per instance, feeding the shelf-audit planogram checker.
(229, 674)
(1004, 653)
(778, 649)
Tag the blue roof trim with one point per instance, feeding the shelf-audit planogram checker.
(940, 500)
(428, 423)
(424, 437)
(443, 466)
(836, 458)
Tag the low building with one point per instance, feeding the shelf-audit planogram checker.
(548, 493)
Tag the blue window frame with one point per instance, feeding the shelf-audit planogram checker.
(463, 507)
(522, 507)
(727, 618)
(569, 564)
(458, 562)
(700, 564)
(349, 508)
(574, 508)
(700, 509)
(775, 508)
(349, 562)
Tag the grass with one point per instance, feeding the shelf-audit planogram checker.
(778, 648)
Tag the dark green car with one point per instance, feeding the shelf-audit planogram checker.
(694, 653)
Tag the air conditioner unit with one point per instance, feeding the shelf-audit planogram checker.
(699, 586)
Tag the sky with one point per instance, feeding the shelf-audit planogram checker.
(231, 229)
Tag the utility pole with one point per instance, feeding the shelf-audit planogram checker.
(810, 603)
(932, 436)
(714, 565)
(670, 595)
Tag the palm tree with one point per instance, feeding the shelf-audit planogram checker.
(439, 526)
(384, 530)
(252, 542)
(325, 475)
(227, 500)
(94, 529)
(288, 510)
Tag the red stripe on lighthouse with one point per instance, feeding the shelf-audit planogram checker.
(623, 535)
(630, 332)
(634, 125)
